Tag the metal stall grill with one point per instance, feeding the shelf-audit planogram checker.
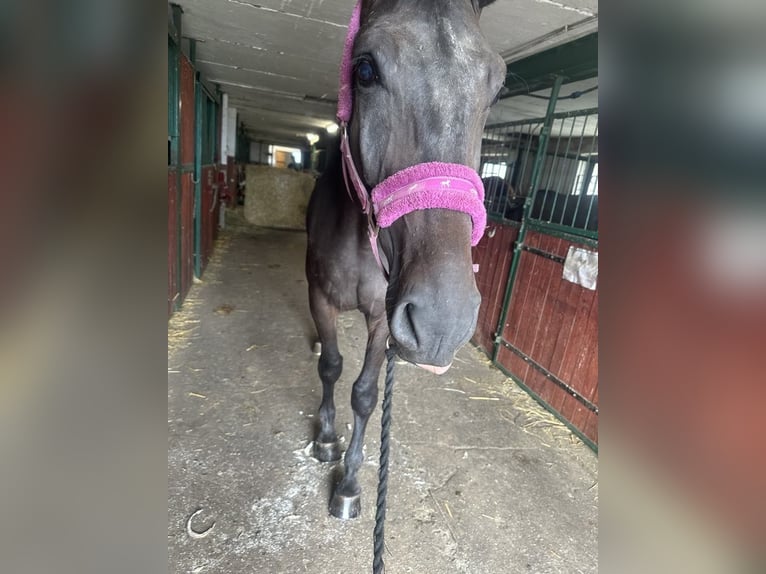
(564, 192)
(540, 326)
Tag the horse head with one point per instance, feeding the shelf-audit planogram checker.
(423, 78)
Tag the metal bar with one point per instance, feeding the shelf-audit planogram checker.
(527, 207)
(565, 173)
(498, 219)
(583, 185)
(554, 159)
(513, 160)
(551, 377)
(173, 123)
(579, 149)
(198, 121)
(519, 183)
(584, 157)
(208, 92)
(568, 28)
(216, 129)
(174, 23)
(556, 116)
(541, 253)
(545, 136)
(584, 236)
(489, 193)
(550, 175)
(174, 120)
(500, 199)
(574, 60)
(210, 136)
(593, 446)
(497, 197)
(590, 174)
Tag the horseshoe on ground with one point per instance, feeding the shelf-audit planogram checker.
(193, 533)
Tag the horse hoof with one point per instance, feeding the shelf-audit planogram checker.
(346, 507)
(326, 451)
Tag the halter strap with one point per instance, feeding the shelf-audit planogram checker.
(350, 173)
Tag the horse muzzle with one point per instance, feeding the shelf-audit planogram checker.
(431, 321)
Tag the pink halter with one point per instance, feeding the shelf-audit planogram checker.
(422, 186)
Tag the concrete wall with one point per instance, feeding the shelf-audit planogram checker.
(277, 197)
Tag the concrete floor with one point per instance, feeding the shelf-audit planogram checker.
(482, 479)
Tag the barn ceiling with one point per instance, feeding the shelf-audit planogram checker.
(278, 59)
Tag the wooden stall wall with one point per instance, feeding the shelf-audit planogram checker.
(210, 209)
(493, 254)
(173, 288)
(182, 228)
(232, 183)
(546, 335)
(187, 185)
(555, 324)
(187, 234)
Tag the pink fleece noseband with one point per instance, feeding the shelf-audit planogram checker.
(433, 185)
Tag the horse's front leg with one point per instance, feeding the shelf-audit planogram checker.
(346, 501)
(326, 447)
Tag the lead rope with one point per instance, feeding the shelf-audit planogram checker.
(385, 430)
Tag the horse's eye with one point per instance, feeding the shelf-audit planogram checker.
(365, 73)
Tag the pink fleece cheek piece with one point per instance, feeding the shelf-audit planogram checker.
(432, 185)
(345, 95)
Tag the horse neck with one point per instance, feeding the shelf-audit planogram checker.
(333, 201)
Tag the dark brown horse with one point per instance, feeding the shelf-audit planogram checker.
(422, 80)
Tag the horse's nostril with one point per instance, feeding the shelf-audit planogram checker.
(429, 327)
(403, 327)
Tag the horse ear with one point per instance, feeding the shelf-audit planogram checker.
(366, 8)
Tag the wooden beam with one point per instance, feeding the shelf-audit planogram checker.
(574, 61)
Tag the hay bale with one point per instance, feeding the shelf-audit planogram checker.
(277, 197)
